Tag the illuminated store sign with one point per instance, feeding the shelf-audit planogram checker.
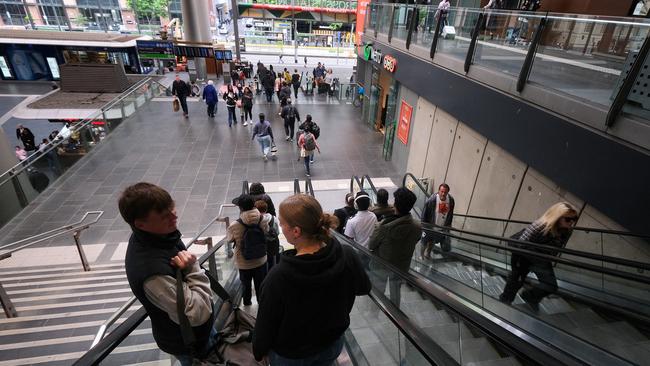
(388, 62)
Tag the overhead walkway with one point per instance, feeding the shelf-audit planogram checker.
(600, 313)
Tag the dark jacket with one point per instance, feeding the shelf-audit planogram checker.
(149, 255)
(247, 99)
(230, 98)
(429, 213)
(306, 300)
(210, 94)
(27, 137)
(394, 240)
(180, 88)
(534, 233)
(343, 214)
(295, 80)
(286, 112)
(269, 202)
(382, 211)
(285, 92)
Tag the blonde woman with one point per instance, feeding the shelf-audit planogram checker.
(552, 229)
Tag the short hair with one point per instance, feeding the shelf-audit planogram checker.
(404, 200)
(138, 200)
(349, 198)
(362, 201)
(262, 116)
(256, 188)
(382, 196)
(261, 206)
(445, 185)
(245, 202)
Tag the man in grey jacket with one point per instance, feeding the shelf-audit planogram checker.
(394, 240)
(154, 255)
(439, 211)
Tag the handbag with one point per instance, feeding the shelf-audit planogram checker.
(176, 105)
(234, 341)
(238, 104)
(274, 150)
(303, 152)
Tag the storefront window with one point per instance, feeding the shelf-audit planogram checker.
(13, 13)
(175, 10)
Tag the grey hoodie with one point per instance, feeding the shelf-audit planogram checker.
(236, 234)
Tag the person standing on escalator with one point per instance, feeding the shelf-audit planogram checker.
(554, 229)
(439, 211)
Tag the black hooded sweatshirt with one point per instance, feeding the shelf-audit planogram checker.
(306, 300)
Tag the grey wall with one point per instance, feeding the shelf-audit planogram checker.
(401, 151)
(579, 160)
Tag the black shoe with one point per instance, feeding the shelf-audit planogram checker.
(248, 303)
(504, 300)
(526, 297)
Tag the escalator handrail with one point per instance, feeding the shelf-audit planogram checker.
(296, 186)
(357, 180)
(372, 185)
(517, 341)
(547, 257)
(106, 345)
(577, 228)
(245, 187)
(309, 188)
(573, 252)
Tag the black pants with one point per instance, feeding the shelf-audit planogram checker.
(295, 89)
(289, 127)
(183, 100)
(269, 94)
(272, 260)
(256, 275)
(248, 113)
(521, 266)
(211, 109)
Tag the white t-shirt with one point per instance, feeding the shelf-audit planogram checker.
(360, 227)
(442, 209)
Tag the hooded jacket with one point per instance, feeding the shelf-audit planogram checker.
(306, 300)
(394, 240)
(236, 234)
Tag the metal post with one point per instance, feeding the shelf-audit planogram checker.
(82, 255)
(22, 198)
(392, 22)
(235, 27)
(7, 305)
(101, 14)
(472, 44)
(212, 263)
(628, 83)
(414, 20)
(434, 42)
(295, 32)
(530, 56)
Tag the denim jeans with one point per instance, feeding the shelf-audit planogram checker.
(231, 116)
(269, 95)
(265, 144)
(307, 161)
(325, 358)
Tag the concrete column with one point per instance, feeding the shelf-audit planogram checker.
(196, 28)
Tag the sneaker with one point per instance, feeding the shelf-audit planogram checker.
(287, 138)
(307, 175)
(248, 303)
(265, 158)
(312, 162)
(245, 124)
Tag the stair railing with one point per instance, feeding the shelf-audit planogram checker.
(76, 229)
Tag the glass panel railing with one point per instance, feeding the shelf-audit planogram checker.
(373, 17)
(590, 304)
(21, 184)
(424, 33)
(369, 188)
(464, 21)
(587, 57)
(401, 21)
(384, 19)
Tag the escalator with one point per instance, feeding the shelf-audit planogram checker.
(600, 313)
(427, 326)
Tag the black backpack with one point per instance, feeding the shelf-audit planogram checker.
(253, 241)
(272, 240)
(315, 130)
(291, 114)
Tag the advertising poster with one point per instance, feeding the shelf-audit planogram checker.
(362, 6)
(404, 124)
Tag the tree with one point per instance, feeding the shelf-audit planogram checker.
(149, 8)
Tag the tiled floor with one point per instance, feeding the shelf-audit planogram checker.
(201, 161)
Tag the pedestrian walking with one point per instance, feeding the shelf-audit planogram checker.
(210, 97)
(181, 90)
(247, 105)
(295, 81)
(554, 228)
(284, 95)
(278, 86)
(268, 81)
(307, 144)
(26, 136)
(264, 135)
(310, 126)
(290, 115)
(231, 98)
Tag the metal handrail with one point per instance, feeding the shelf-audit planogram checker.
(309, 188)
(577, 228)
(31, 159)
(52, 233)
(296, 186)
(116, 315)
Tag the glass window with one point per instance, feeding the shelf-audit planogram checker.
(4, 68)
(52, 15)
(13, 14)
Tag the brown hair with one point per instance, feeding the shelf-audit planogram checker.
(306, 213)
(138, 200)
(261, 206)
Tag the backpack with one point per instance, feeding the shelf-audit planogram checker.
(291, 114)
(310, 141)
(315, 130)
(253, 241)
(272, 240)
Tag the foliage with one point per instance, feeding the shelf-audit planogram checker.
(150, 8)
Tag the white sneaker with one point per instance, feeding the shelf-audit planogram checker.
(287, 138)
(265, 158)
(245, 123)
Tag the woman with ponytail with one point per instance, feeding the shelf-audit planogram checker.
(305, 301)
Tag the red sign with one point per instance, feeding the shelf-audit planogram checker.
(404, 124)
(300, 8)
(362, 6)
(390, 63)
